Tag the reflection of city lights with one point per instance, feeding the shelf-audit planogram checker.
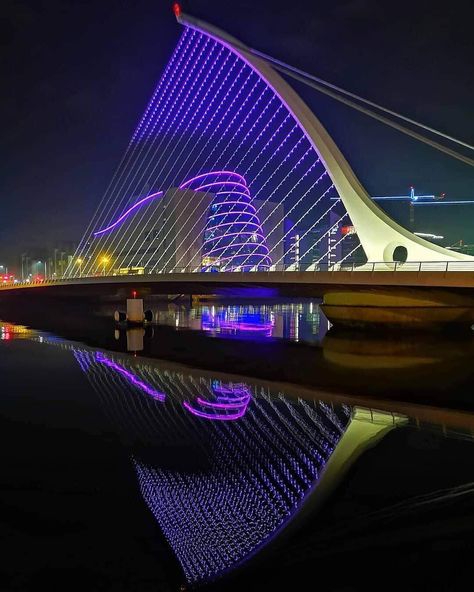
(237, 321)
(8, 332)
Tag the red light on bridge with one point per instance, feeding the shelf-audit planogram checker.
(347, 230)
(177, 9)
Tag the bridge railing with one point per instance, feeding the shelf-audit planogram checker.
(371, 267)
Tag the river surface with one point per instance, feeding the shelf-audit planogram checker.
(234, 447)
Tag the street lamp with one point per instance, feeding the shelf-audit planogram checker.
(105, 260)
(38, 263)
(79, 263)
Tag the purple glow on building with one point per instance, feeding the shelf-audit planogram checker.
(228, 219)
(135, 206)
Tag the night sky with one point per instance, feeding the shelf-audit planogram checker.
(77, 76)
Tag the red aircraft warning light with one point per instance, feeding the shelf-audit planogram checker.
(177, 9)
(347, 230)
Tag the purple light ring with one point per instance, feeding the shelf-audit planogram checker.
(214, 416)
(213, 173)
(307, 152)
(281, 164)
(213, 405)
(262, 257)
(241, 211)
(233, 244)
(241, 399)
(240, 389)
(214, 225)
(243, 244)
(236, 223)
(313, 165)
(226, 247)
(223, 203)
(233, 183)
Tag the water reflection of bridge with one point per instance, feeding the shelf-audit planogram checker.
(224, 466)
(226, 463)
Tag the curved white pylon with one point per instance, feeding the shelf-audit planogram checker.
(379, 235)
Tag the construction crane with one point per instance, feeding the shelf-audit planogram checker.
(422, 200)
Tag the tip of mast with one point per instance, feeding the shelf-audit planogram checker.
(177, 10)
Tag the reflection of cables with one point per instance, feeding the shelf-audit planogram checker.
(434, 497)
(431, 501)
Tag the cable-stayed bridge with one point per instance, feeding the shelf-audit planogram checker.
(229, 172)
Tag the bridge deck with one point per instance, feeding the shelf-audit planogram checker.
(183, 282)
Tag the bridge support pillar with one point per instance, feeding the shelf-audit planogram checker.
(135, 310)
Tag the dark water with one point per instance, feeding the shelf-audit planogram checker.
(123, 472)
